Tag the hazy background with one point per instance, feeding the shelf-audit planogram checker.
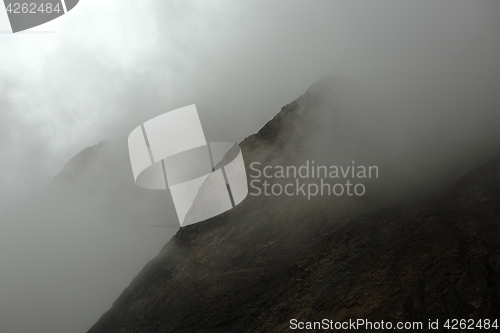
(108, 65)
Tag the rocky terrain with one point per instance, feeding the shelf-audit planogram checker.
(275, 258)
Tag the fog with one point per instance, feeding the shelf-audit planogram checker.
(69, 247)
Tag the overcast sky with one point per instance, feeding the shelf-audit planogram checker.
(110, 65)
(98, 72)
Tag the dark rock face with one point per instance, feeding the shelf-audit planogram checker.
(437, 260)
(271, 259)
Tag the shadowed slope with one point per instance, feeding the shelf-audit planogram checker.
(271, 259)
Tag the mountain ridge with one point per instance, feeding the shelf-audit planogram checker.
(269, 260)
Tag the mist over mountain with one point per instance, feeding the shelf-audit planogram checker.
(403, 251)
(73, 246)
(420, 103)
(88, 231)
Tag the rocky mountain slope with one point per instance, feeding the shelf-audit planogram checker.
(436, 260)
(274, 258)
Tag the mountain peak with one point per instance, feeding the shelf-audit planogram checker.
(79, 164)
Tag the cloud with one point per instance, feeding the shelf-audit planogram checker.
(111, 65)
